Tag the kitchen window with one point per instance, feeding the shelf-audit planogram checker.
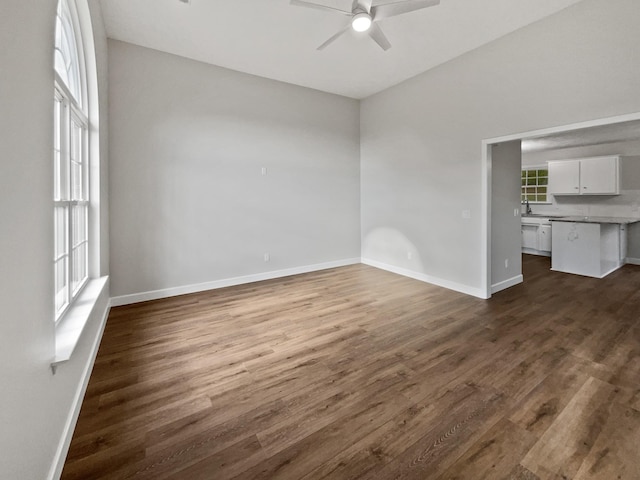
(534, 185)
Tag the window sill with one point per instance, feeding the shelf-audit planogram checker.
(70, 327)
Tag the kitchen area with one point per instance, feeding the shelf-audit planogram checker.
(580, 194)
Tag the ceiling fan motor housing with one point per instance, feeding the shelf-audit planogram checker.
(361, 21)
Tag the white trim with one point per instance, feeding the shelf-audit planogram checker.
(510, 282)
(71, 325)
(227, 282)
(67, 434)
(486, 178)
(533, 251)
(632, 261)
(485, 220)
(565, 128)
(458, 287)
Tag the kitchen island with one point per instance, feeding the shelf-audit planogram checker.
(590, 246)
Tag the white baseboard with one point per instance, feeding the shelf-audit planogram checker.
(458, 287)
(632, 261)
(72, 419)
(532, 251)
(227, 282)
(510, 282)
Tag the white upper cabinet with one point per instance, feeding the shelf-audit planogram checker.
(585, 176)
(599, 176)
(564, 177)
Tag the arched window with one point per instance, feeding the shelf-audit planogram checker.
(67, 55)
(71, 181)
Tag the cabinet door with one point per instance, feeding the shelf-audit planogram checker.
(599, 176)
(623, 244)
(530, 236)
(564, 177)
(544, 238)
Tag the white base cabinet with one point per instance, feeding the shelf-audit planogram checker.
(544, 238)
(590, 249)
(530, 236)
(536, 236)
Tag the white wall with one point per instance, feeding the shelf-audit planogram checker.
(189, 204)
(506, 233)
(35, 405)
(421, 140)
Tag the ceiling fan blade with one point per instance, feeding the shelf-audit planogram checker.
(398, 8)
(334, 38)
(302, 3)
(375, 32)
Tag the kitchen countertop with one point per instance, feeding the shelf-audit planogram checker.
(583, 219)
(541, 215)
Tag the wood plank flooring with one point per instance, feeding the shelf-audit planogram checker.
(359, 373)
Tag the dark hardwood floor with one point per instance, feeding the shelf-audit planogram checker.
(360, 373)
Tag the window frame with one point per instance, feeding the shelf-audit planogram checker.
(539, 182)
(71, 259)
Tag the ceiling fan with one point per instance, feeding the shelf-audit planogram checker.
(364, 16)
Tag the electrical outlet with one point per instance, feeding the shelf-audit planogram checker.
(516, 212)
(264, 170)
(266, 257)
(466, 213)
(409, 255)
(506, 263)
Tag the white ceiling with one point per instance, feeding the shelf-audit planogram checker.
(276, 40)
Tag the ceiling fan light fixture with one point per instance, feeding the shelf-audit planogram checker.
(361, 22)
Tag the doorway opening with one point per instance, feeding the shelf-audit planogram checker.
(504, 194)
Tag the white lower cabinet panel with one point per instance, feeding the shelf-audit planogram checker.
(590, 249)
(544, 238)
(530, 236)
(536, 237)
